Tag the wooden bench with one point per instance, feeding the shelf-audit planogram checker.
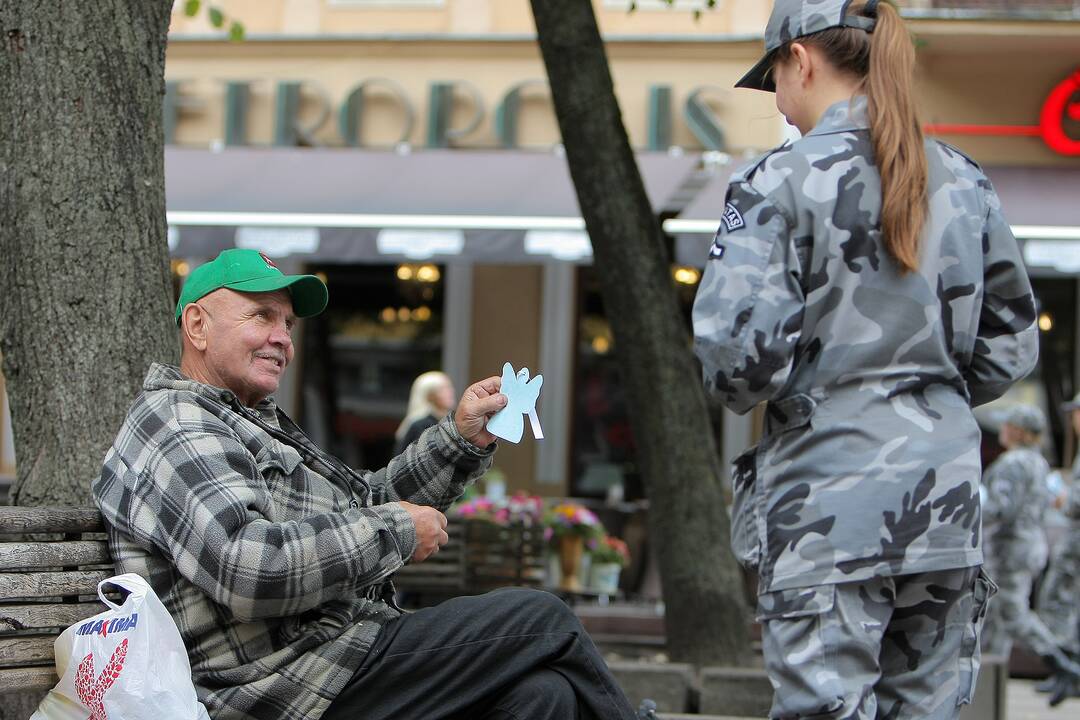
(51, 560)
(479, 557)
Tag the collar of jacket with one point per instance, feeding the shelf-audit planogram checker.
(844, 116)
(169, 377)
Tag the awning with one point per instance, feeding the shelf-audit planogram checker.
(356, 206)
(1042, 204)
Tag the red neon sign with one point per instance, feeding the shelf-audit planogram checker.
(1062, 104)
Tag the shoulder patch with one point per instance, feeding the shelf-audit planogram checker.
(733, 219)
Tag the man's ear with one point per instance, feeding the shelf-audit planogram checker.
(193, 321)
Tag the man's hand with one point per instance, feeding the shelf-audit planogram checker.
(479, 403)
(430, 530)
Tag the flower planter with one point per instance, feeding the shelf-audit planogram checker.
(553, 578)
(604, 578)
(571, 551)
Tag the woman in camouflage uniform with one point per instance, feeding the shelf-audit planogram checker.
(866, 286)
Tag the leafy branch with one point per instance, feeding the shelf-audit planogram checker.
(709, 4)
(217, 18)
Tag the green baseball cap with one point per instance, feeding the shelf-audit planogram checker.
(252, 272)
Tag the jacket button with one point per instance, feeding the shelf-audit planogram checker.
(353, 504)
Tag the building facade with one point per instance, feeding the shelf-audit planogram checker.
(407, 151)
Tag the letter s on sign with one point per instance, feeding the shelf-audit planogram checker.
(1061, 106)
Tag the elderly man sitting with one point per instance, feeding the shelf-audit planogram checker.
(274, 557)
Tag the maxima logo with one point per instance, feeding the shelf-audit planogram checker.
(106, 627)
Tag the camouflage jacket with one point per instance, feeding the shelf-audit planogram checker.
(1017, 497)
(270, 555)
(1014, 509)
(869, 464)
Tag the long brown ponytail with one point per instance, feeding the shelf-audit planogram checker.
(885, 61)
(897, 135)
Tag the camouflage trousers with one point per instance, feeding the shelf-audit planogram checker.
(891, 647)
(1059, 598)
(1010, 617)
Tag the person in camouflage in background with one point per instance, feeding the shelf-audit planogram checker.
(1016, 501)
(865, 284)
(1059, 597)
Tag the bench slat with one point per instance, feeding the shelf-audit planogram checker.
(27, 586)
(29, 650)
(50, 519)
(29, 555)
(19, 618)
(14, 680)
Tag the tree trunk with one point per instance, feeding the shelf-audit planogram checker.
(706, 614)
(84, 269)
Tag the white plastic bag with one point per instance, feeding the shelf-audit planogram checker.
(127, 663)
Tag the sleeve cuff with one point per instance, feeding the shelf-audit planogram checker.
(465, 447)
(401, 524)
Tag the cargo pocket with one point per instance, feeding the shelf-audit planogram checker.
(799, 654)
(745, 537)
(970, 653)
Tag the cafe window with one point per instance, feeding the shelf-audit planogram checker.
(603, 458)
(383, 328)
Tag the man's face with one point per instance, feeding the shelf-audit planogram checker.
(248, 341)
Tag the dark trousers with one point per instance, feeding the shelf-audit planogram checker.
(512, 654)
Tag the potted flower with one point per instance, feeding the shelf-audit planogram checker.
(518, 509)
(567, 527)
(609, 556)
(478, 508)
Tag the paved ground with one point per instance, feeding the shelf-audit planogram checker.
(1026, 704)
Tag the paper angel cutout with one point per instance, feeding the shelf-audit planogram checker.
(522, 394)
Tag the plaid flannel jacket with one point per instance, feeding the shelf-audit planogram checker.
(271, 556)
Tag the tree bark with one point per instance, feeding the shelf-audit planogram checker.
(84, 269)
(705, 611)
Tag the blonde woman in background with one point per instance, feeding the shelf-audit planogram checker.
(430, 400)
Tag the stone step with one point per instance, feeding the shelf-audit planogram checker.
(736, 691)
(722, 692)
(667, 684)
